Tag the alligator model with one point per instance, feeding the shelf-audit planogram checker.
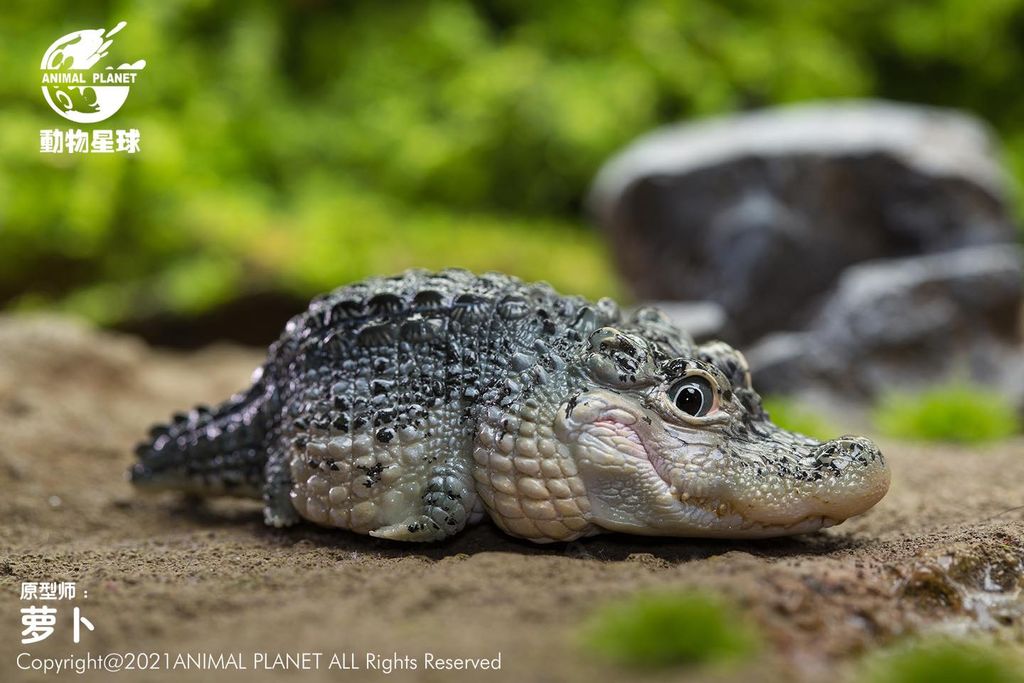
(408, 407)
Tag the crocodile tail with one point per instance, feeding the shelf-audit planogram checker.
(219, 451)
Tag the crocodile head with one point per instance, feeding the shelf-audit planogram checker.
(669, 438)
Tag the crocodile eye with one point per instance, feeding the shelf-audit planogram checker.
(693, 396)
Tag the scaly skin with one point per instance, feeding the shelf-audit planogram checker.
(408, 407)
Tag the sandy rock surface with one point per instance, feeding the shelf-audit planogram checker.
(944, 550)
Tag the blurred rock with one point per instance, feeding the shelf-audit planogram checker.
(903, 323)
(760, 213)
(704, 320)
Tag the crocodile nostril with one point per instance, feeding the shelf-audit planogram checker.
(847, 451)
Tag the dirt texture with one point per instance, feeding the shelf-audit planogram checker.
(943, 551)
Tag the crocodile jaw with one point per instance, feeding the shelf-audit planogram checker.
(646, 476)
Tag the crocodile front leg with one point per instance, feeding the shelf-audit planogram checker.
(448, 504)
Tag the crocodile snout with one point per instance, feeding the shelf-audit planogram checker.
(796, 479)
(856, 475)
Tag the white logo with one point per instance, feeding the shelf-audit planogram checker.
(77, 92)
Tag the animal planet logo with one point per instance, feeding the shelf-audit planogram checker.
(73, 89)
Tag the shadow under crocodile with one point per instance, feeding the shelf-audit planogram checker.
(486, 537)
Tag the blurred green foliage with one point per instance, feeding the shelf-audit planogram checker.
(294, 146)
(797, 416)
(654, 630)
(954, 412)
(944, 661)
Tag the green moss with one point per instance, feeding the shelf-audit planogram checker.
(955, 412)
(797, 417)
(944, 662)
(655, 630)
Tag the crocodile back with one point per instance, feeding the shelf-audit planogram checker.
(382, 380)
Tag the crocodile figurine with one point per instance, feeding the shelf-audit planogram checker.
(408, 407)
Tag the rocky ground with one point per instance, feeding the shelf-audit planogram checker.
(943, 551)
